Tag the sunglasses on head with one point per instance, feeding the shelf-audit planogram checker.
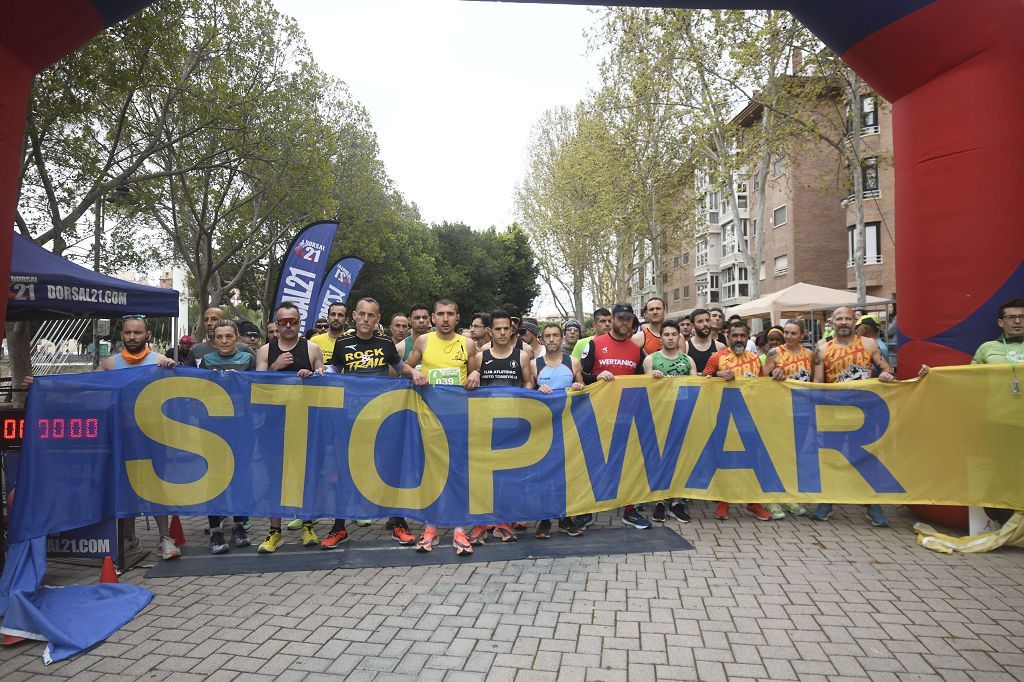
(288, 321)
(133, 317)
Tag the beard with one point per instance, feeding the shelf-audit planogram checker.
(738, 348)
(703, 333)
(844, 331)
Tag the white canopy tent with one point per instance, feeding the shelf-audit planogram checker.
(799, 298)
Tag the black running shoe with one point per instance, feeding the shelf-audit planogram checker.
(678, 512)
(543, 530)
(659, 512)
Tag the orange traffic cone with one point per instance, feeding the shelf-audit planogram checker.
(176, 532)
(109, 573)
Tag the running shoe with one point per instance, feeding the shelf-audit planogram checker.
(168, 550)
(427, 540)
(269, 546)
(520, 525)
(636, 519)
(309, 538)
(572, 528)
(659, 512)
(677, 511)
(776, 511)
(759, 511)
(505, 533)
(543, 531)
(247, 524)
(586, 520)
(461, 543)
(402, 535)
(294, 524)
(722, 511)
(877, 516)
(217, 544)
(334, 538)
(794, 509)
(822, 512)
(363, 523)
(239, 538)
(478, 535)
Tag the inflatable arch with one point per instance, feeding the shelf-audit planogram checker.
(953, 70)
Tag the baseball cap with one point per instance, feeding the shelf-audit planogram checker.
(573, 324)
(246, 328)
(529, 327)
(869, 320)
(187, 339)
(622, 310)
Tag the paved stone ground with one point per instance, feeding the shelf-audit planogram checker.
(787, 600)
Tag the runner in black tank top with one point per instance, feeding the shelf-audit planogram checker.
(300, 356)
(501, 371)
(700, 357)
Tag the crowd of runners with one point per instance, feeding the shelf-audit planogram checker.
(429, 345)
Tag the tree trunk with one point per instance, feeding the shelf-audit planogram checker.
(18, 341)
(860, 243)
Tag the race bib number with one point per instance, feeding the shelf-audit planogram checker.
(445, 376)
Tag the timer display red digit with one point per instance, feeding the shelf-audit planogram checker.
(13, 428)
(57, 429)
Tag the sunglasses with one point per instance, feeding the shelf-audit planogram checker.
(321, 326)
(133, 317)
(288, 322)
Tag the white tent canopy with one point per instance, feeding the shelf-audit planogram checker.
(799, 298)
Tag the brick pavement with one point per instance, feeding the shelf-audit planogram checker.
(786, 600)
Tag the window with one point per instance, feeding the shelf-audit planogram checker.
(702, 252)
(713, 294)
(868, 115)
(869, 175)
(686, 257)
(734, 282)
(675, 262)
(686, 291)
(781, 265)
(713, 200)
(757, 179)
(780, 216)
(675, 294)
(728, 239)
(760, 272)
(779, 167)
(753, 225)
(872, 244)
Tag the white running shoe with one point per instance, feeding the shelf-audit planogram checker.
(168, 550)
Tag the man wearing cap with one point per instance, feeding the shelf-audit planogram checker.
(179, 354)
(529, 332)
(868, 328)
(608, 356)
(249, 333)
(571, 332)
(211, 316)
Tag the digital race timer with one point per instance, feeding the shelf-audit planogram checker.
(13, 432)
(12, 422)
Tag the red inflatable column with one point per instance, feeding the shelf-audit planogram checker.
(955, 74)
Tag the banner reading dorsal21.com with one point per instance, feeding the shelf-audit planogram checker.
(186, 441)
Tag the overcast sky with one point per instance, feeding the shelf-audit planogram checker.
(453, 88)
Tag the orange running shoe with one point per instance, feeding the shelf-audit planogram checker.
(520, 525)
(505, 532)
(722, 511)
(759, 511)
(478, 536)
(427, 540)
(461, 543)
(334, 539)
(403, 536)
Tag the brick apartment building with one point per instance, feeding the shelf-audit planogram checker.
(810, 220)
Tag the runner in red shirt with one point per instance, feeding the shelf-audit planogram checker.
(606, 357)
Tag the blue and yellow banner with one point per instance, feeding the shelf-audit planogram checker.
(189, 441)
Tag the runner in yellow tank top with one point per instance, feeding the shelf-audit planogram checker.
(847, 357)
(447, 359)
(791, 360)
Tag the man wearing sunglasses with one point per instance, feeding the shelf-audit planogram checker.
(289, 353)
(211, 316)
